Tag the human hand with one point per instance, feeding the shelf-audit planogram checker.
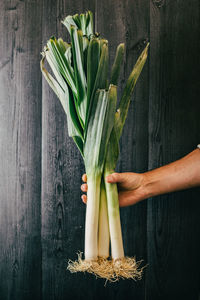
(131, 187)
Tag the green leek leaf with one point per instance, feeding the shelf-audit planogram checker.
(63, 65)
(100, 80)
(92, 66)
(66, 99)
(68, 21)
(117, 64)
(83, 22)
(76, 19)
(85, 54)
(77, 52)
(89, 24)
(122, 112)
(99, 127)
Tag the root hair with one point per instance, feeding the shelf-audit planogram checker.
(111, 270)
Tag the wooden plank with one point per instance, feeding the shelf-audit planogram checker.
(63, 214)
(174, 126)
(20, 150)
(128, 21)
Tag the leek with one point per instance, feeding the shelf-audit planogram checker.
(89, 98)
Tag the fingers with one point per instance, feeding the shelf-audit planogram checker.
(84, 178)
(84, 188)
(84, 198)
(115, 177)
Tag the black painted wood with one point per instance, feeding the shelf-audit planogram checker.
(20, 150)
(41, 214)
(174, 130)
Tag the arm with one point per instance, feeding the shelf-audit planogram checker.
(181, 174)
(133, 187)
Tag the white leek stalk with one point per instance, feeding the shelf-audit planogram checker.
(103, 234)
(117, 249)
(92, 216)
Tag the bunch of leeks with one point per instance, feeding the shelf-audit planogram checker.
(89, 99)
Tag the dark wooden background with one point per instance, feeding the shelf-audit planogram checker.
(41, 214)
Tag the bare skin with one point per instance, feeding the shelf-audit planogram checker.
(134, 187)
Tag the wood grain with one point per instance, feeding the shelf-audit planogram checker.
(20, 150)
(41, 214)
(174, 126)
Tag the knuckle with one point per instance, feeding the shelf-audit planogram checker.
(115, 176)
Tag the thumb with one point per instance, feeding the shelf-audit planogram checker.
(114, 178)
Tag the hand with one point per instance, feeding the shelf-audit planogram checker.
(131, 187)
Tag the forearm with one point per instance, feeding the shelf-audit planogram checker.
(181, 174)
